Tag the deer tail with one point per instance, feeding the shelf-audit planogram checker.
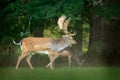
(16, 43)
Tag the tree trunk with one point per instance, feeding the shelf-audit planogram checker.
(104, 48)
(96, 44)
(38, 31)
(112, 40)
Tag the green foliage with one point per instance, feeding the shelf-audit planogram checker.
(16, 14)
(52, 31)
(85, 38)
(109, 10)
(42, 11)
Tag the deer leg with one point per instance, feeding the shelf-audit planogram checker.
(48, 64)
(52, 60)
(28, 61)
(19, 59)
(77, 60)
(69, 61)
(51, 57)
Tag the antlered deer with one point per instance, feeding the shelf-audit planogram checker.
(50, 46)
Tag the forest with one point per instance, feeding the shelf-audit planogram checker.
(96, 23)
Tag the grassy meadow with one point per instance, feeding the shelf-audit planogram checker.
(74, 73)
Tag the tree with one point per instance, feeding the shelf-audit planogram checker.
(104, 31)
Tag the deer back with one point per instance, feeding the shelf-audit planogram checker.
(35, 44)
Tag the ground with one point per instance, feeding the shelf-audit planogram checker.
(74, 73)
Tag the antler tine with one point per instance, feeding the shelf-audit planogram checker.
(75, 32)
(71, 30)
(61, 21)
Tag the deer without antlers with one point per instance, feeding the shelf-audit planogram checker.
(50, 46)
(69, 52)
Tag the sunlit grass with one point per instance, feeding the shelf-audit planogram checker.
(75, 73)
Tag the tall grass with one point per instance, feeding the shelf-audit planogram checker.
(75, 73)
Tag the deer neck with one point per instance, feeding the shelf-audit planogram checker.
(59, 44)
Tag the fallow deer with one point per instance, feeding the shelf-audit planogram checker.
(50, 46)
(69, 52)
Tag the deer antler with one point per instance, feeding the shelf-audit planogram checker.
(61, 21)
(63, 25)
(75, 32)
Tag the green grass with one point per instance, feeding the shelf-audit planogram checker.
(75, 73)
